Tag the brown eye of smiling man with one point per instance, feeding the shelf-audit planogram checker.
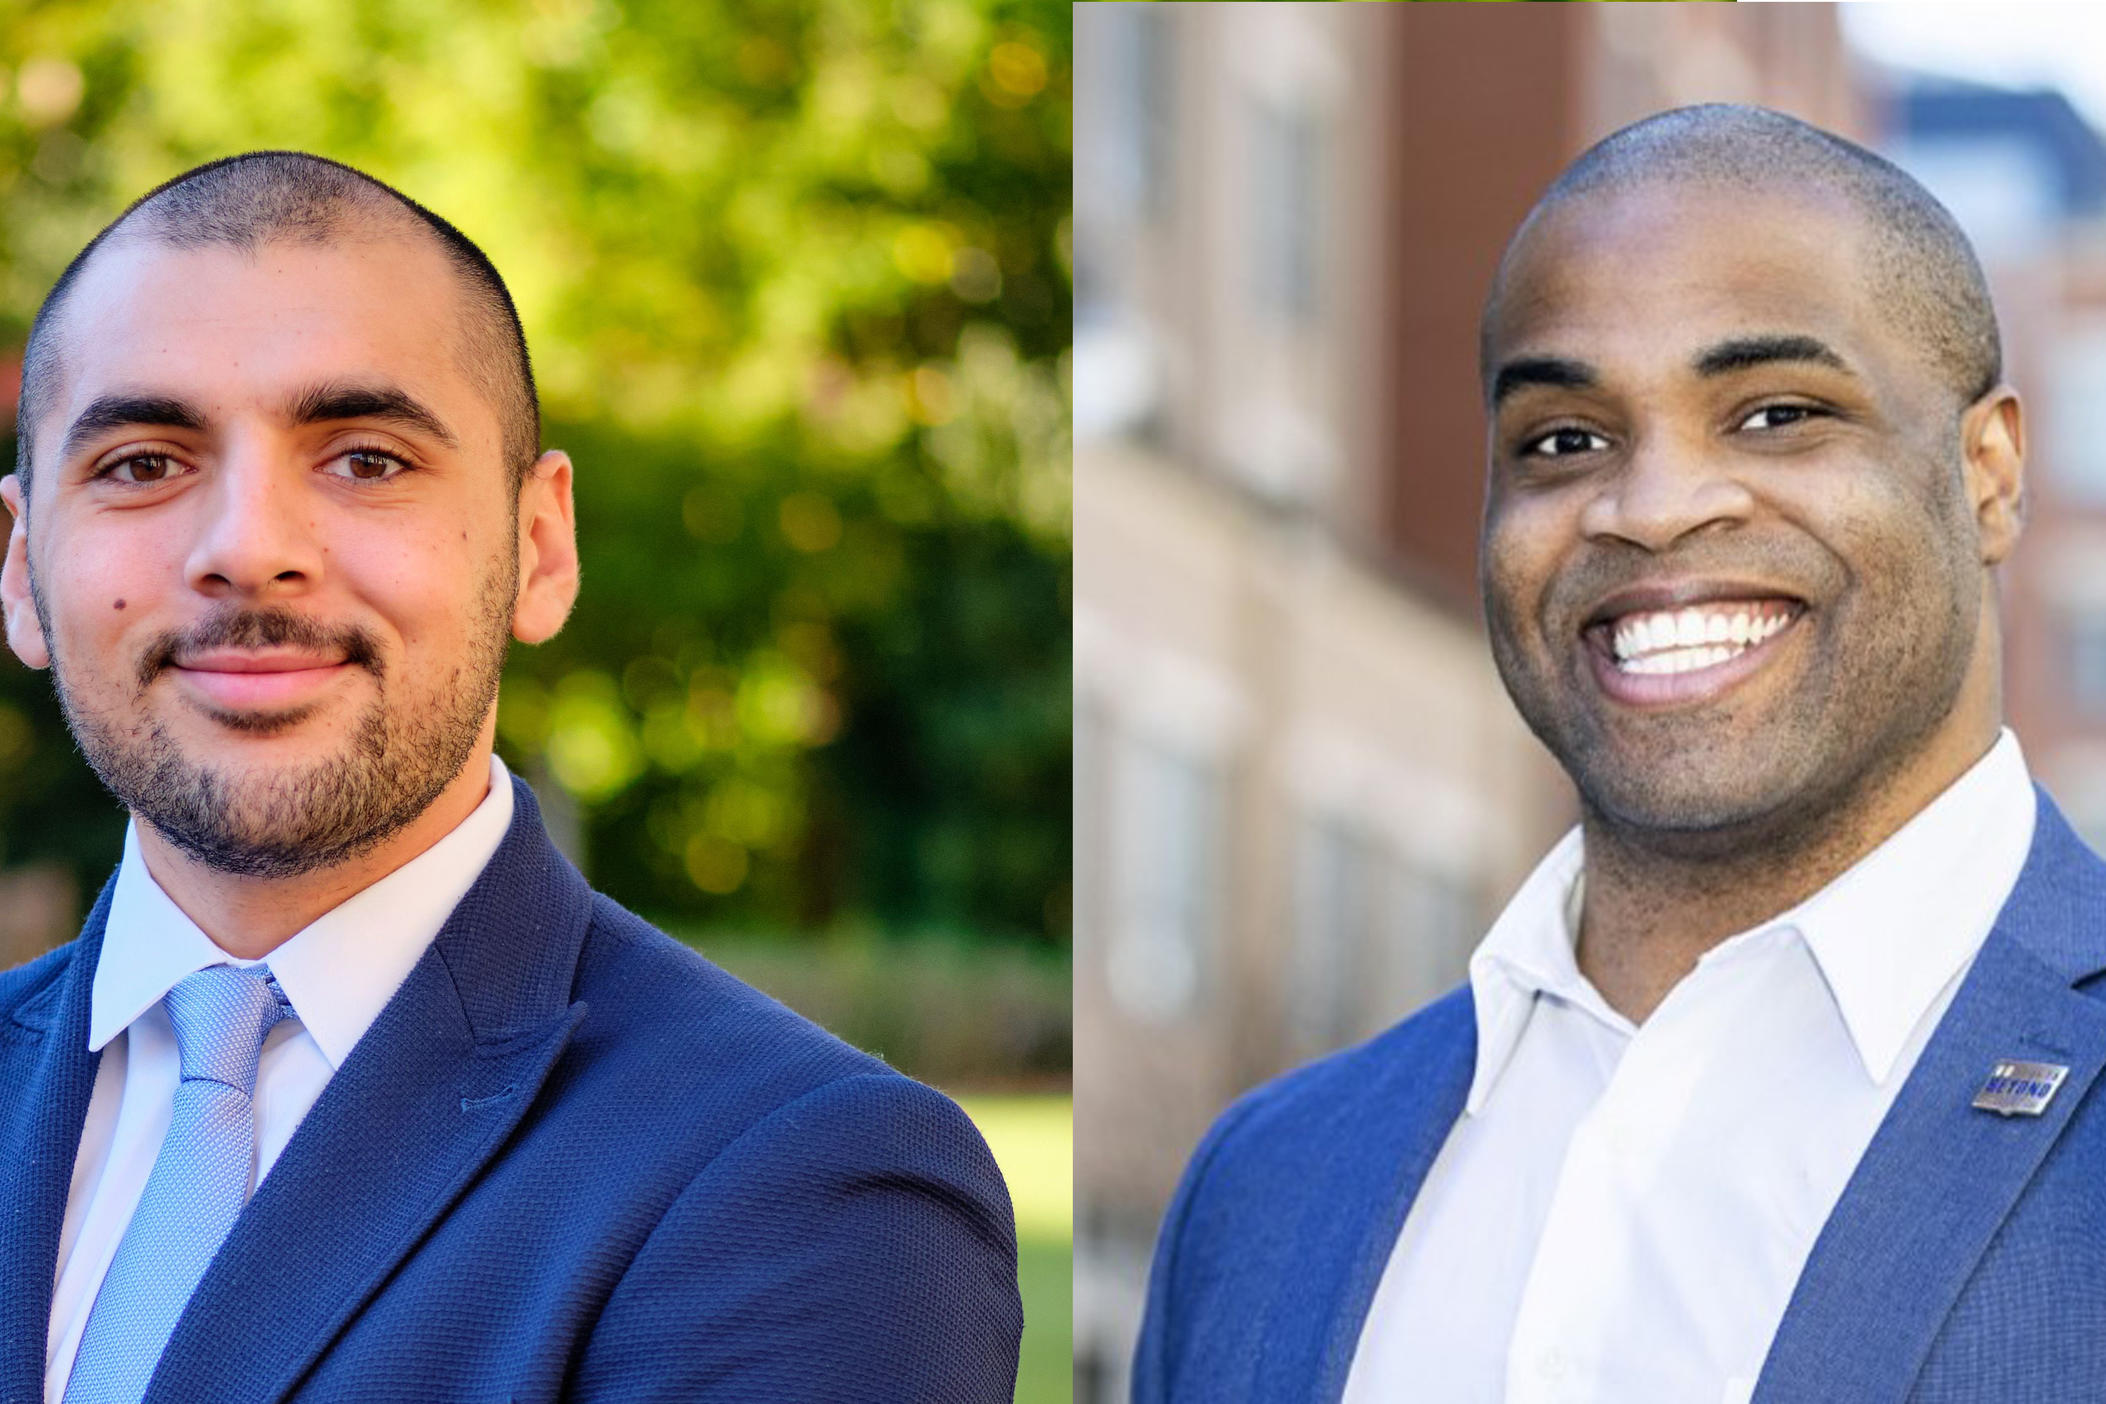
(1563, 443)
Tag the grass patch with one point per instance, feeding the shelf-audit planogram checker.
(947, 1012)
(1033, 1140)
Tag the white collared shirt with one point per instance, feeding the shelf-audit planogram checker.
(338, 972)
(1621, 1212)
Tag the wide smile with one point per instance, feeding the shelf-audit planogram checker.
(1654, 658)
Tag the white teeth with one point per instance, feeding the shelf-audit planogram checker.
(1674, 641)
(1679, 660)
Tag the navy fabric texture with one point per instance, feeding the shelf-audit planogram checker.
(571, 1159)
(1966, 1260)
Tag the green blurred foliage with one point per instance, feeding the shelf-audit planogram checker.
(796, 280)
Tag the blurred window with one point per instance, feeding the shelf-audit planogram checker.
(1430, 926)
(1286, 151)
(1334, 906)
(2086, 642)
(1167, 855)
(1123, 191)
(1123, 174)
(2077, 418)
(1090, 810)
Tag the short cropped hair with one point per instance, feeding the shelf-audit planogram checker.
(264, 197)
(1922, 264)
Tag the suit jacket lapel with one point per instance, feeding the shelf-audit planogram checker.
(1375, 1153)
(1939, 1176)
(420, 1106)
(44, 1057)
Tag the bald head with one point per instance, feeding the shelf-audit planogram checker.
(1920, 263)
(267, 197)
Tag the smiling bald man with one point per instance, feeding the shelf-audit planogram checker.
(1772, 1080)
(351, 1088)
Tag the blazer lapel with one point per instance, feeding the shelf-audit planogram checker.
(1375, 1155)
(421, 1105)
(44, 1056)
(1940, 1176)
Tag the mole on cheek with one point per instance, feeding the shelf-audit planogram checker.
(120, 604)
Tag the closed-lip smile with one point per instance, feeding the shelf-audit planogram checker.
(236, 679)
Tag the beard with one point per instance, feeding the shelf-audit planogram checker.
(393, 760)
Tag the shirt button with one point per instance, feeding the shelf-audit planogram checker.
(1553, 1364)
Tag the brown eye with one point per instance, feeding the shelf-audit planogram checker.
(367, 465)
(1561, 443)
(143, 468)
(1778, 416)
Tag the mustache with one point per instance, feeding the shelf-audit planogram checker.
(258, 628)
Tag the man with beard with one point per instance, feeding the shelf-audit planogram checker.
(279, 502)
(1771, 1082)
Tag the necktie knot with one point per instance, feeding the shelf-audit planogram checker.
(220, 1015)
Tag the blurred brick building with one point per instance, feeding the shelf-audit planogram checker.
(1300, 791)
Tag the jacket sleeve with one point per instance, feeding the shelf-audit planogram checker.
(855, 1247)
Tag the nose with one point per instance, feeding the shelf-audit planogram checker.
(258, 537)
(1668, 487)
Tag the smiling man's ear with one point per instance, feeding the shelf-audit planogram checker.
(24, 635)
(548, 550)
(1993, 461)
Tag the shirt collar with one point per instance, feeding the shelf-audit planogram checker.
(1895, 929)
(1888, 935)
(1529, 952)
(339, 971)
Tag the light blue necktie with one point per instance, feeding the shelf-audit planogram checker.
(198, 1184)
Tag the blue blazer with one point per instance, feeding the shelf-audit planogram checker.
(1965, 1261)
(570, 1159)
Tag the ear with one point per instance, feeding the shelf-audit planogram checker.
(548, 550)
(24, 635)
(1993, 453)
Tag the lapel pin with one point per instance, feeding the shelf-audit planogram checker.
(2020, 1089)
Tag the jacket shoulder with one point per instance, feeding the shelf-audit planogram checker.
(1238, 1221)
(811, 1187)
(680, 1042)
(664, 997)
(27, 989)
(1309, 1100)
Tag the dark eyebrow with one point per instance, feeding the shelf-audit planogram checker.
(336, 399)
(1743, 353)
(122, 411)
(1554, 371)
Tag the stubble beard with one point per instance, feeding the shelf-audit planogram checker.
(395, 759)
(1762, 790)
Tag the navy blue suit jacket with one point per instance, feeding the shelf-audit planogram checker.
(570, 1159)
(1965, 1261)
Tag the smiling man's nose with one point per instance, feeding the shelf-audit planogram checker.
(257, 533)
(1667, 489)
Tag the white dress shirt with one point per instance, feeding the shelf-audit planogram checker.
(1622, 1211)
(339, 972)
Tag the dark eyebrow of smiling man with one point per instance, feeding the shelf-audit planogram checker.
(317, 404)
(1739, 354)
